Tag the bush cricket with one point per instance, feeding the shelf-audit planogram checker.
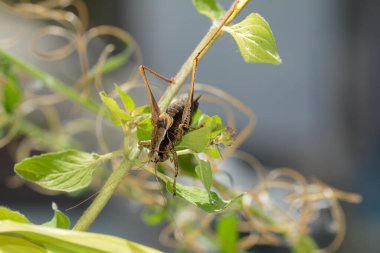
(171, 125)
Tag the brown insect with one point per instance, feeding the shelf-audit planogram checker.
(171, 125)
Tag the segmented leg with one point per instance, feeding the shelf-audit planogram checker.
(169, 80)
(187, 112)
(176, 169)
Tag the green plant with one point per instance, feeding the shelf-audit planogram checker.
(67, 169)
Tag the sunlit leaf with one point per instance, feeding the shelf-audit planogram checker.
(227, 136)
(19, 237)
(195, 118)
(226, 228)
(119, 116)
(59, 220)
(196, 140)
(209, 202)
(203, 118)
(144, 130)
(141, 110)
(213, 152)
(67, 171)
(214, 122)
(203, 170)
(8, 214)
(209, 8)
(255, 40)
(128, 102)
(12, 244)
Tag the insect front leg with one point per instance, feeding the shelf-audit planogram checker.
(176, 169)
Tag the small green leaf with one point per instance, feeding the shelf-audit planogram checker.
(187, 163)
(119, 116)
(255, 40)
(141, 110)
(11, 89)
(203, 170)
(226, 136)
(195, 118)
(144, 130)
(214, 122)
(209, 8)
(213, 152)
(128, 102)
(19, 237)
(207, 201)
(203, 118)
(59, 220)
(8, 214)
(196, 140)
(305, 244)
(226, 228)
(66, 171)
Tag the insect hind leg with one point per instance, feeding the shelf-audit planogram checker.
(168, 80)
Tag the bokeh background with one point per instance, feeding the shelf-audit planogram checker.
(318, 112)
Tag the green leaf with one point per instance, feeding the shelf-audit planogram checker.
(187, 163)
(203, 170)
(196, 140)
(59, 220)
(195, 118)
(209, 8)
(213, 152)
(141, 110)
(12, 244)
(66, 171)
(8, 214)
(214, 122)
(226, 136)
(119, 116)
(305, 244)
(128, 102)
(11, 89)
(255, 40)
(203, 118)
(18, 238)
(227, 230)
(144, 130)
(207, 201)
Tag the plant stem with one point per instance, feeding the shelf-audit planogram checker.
(103, 197)
(115, 178)
(112, 154)
(51, 82)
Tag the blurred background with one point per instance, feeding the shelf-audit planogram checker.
(317, 112)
